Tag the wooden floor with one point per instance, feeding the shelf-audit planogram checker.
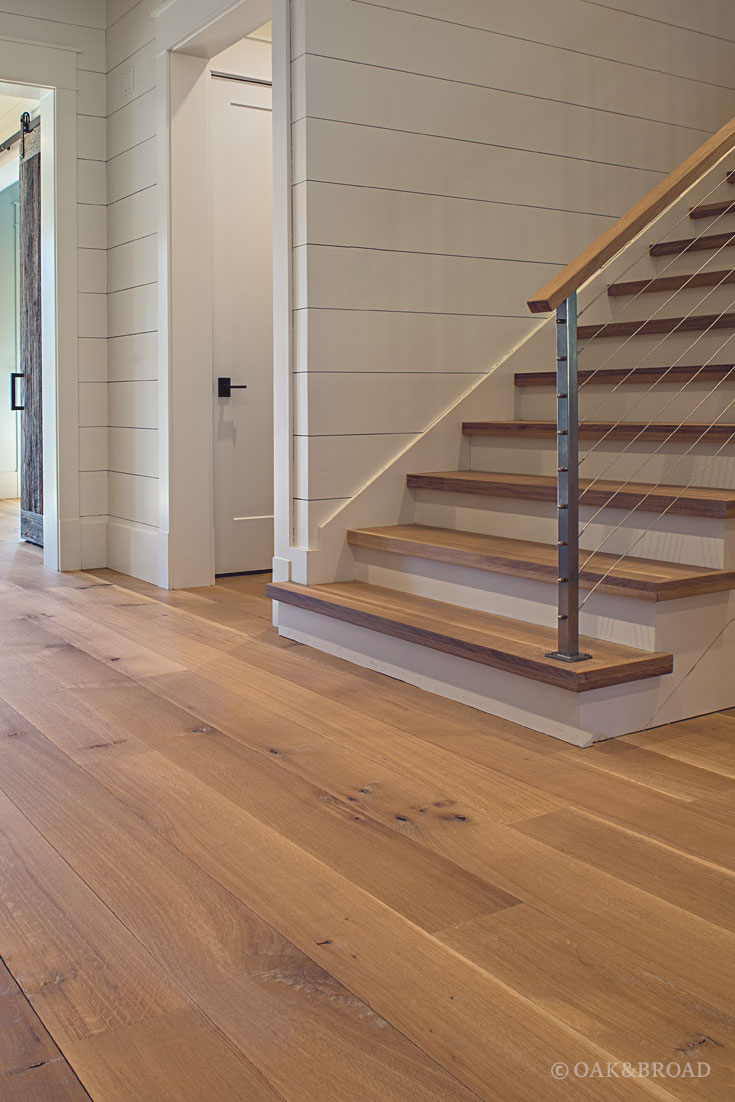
(234, 869)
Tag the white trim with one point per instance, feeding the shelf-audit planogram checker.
(48, 73)
(186, 38)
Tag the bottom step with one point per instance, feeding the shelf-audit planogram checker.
(508, 645)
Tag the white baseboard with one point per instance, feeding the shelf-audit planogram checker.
(136, 549)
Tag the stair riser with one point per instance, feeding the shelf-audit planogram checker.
(699, 541)
(618, 619)
(702, 678)
(716, 346)
(639, 461)
(636, 402)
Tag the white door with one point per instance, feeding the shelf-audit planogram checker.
(242, 287)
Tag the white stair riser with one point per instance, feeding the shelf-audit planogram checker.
(701, 682)
(699, 541)
(654, 350)
(640, 461)
(701, 400)
(617, 619)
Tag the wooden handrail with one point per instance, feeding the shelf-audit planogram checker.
(571, 278)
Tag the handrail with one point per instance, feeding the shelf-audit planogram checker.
(617, 236)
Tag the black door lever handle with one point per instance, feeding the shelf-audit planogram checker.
(225, 386)
(14, 405)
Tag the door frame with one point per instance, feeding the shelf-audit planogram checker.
(186, 39)
(49, 74)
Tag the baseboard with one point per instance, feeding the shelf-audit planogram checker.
(138, 550)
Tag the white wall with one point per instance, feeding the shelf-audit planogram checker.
(448, 158)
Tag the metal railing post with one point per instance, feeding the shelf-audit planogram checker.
(567, 476)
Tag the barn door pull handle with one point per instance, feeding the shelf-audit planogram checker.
(13, 376)
(225, 386)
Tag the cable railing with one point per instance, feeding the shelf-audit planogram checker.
(560, 294)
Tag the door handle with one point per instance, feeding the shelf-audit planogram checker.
(14, 405)
(225, 386)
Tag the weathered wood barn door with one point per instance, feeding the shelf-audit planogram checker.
(31, 466)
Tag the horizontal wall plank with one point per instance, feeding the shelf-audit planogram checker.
(334, 214)
(415, 104)
(133, 357)
(81, 13)
(143, 64)
(132, 405)
(378, 36)
(88, 41)
(364, 279)
(597, 30)
(132, 171)
(92, 270)
(92, 137)
(133, 498)
(132, 217)
(92, 314)
(91, 93)
(132, 124)
(133, 264)
(336, 152)
(93, 405)
(92, 360)
(338, 466)
(92, 226)
(706, 16)
(335, 403)
(132, 311)
(133, 451)
(93, 454)
(92, 182)
(371, 340)
(131, 31)
(93, 493)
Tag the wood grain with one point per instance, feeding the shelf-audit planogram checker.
(671, 283)
(693, 323)
(674, 374)
(699, 501)
(639, 578)
(591, 259)
(705, 243)
(712, 210)
(30, 342)
(614, 430)
(193, 901)
(509, 645)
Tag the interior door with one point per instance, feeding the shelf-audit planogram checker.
(31, 422)
(242, 243)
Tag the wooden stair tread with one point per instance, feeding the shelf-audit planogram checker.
(675, 374)
(702, 501)
(641, 328)
(643, 579)
(673, 283)
(624, 430)
(497, 641)
(713, 210)
(693, 244)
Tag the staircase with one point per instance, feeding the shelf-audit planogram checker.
(463, 601)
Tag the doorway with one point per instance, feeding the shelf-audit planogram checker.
(21, 419)
(241, 184)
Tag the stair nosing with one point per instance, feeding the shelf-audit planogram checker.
(501, 484)
(614, 430)
(539, 667)
(703, 579)
(628, 375)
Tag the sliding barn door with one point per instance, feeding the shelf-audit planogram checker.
(31, 447)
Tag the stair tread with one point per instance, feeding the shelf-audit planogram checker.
(713, 210)
(673, 283)
(693, 244)
(704, 501)
(645, 579)
(614, 430)
(674, 374)
(510, 645)
(643, 328)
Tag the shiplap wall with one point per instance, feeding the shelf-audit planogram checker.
(448, 158)
(132, 357)
(79, 25)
